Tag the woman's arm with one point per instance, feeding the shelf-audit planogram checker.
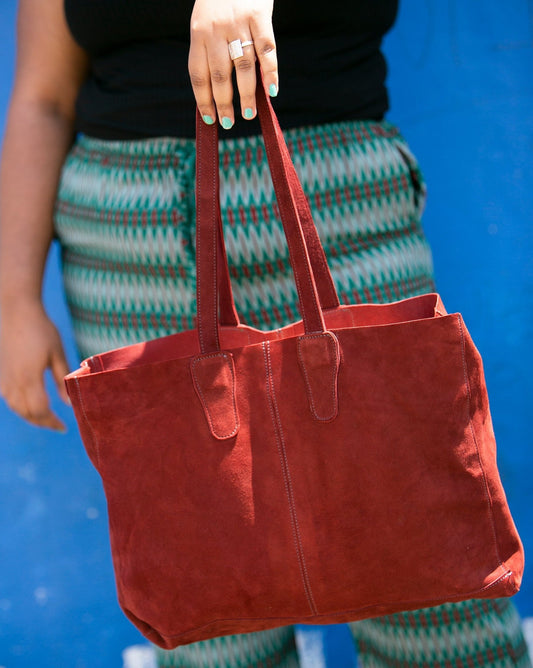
(39, 131)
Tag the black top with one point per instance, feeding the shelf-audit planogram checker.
(330, 63)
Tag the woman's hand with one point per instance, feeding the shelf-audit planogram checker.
(30, 344)
(50, 70)
(214, 24)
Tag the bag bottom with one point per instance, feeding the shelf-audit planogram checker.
(504, 585)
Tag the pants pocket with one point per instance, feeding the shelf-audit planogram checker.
(415, 176)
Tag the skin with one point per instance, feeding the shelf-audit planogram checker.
(215, 24)
(50, 70)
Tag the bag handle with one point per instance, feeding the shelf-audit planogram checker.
(312, 275)
(326, 289)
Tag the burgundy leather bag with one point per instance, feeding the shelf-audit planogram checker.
(339, 468)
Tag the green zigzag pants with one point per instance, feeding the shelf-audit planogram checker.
(125, 221)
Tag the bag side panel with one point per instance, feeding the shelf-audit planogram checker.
(510, 547)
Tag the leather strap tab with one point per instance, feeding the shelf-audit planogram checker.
(319, 360)
(214, 381)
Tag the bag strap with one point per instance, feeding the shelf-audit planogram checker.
(326, 288)
(307, 256)
(280, 162)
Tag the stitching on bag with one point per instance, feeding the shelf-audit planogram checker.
(198, 244)
(308, 384)
(485, 484)
(198, 251)
(287, 477)
(82, 406)
(204, 403)
(216, 168)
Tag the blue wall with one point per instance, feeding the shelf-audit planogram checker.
(462, 92)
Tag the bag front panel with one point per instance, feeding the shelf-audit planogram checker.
(198, 525)
(391, 496)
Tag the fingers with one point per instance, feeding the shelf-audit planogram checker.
(246, 80)
(220, 67)
(24, 391)
(31, 403)
(201, 80)
(265, 48)
(39, 412)
(211, 66)
(210, 69)
(29, 345)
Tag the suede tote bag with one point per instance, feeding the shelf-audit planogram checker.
(339, 468)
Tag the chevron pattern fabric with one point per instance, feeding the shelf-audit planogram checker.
(472, 634)
(125, 221)
(275, 648)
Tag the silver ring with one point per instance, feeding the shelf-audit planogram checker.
(236, 48)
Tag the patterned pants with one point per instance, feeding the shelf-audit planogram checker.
(125, 220)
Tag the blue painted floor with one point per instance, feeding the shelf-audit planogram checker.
(462, 92)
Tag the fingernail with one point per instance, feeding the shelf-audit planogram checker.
(226, 123)
(248, 112)
(208, 119)
(272, 90)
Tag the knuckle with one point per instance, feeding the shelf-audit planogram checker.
(244, 65)
(219, 76)
(221, 26)
(199, 28)
(266, 48)
(256, 14)
(198, 80)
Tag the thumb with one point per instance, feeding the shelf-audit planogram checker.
(59, 369)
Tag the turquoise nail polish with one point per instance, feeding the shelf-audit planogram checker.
(207, 119)
(248, 112)
(272, 90)
(226, 123)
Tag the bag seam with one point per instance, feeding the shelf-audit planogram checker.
(86, 419)
(287, 478)
(472, 430)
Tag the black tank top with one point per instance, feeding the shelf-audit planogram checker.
(330, 63)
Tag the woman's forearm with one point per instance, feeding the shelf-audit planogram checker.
(37, 138)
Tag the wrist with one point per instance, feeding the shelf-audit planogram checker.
(16, 302)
